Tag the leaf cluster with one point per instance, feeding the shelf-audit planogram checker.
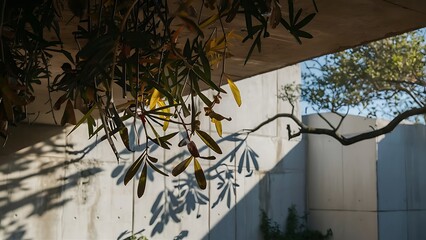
(158, 55)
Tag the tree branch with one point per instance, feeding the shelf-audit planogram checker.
(332, 133)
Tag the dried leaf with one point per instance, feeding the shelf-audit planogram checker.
(69, 115)
(59, 102)
(199, 175)
(192, 148)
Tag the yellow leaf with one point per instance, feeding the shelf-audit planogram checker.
(161, 103)
(154, 99)
(218, 125)
(165, 125)
(235, 91)
(209, 21)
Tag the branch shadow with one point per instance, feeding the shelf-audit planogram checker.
(184, 196)
(33, 178)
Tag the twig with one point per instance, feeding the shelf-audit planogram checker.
(332, 133)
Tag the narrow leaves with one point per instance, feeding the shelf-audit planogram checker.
(209, 141)
(236, 92)
(142, 181)
(181, 166)
(218, 125)
(199, 175)
(133, 169)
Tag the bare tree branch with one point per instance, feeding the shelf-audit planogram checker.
(303, 128)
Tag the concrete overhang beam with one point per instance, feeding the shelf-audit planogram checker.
(339, 25)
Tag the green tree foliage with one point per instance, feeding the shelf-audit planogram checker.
(383, 78)
(157, 54)
(386, 78)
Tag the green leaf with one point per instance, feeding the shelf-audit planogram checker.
(168, 136)
(204, 61)
(285, 24)
(206, 79)
(315, 5)
(156, 169)
(124, 134)
(83, 119)
(161, 89)
(291, 12)
(203, 97)
(181, 166)
(133, 169)
(303, 34)
(209, 141)
(158, 109)
(142, 182)
(152, 159)
(185, 109)
(209, 158)
(162, 141)
(187, 49)
(255, 43)
(90, 124)
(210, 20)
(296, 18)
(199, 175)
(305, 21)
(123, 118)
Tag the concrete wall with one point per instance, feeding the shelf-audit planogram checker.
(342, 192)
(59, 186)
(374, 189)
(402, 183)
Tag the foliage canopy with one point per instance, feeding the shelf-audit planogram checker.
(386, 78)
(383, 78)
(158, 53)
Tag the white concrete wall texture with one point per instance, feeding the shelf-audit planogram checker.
(374, 189)
(59, 186)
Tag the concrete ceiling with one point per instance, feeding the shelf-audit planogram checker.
(340, 24)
